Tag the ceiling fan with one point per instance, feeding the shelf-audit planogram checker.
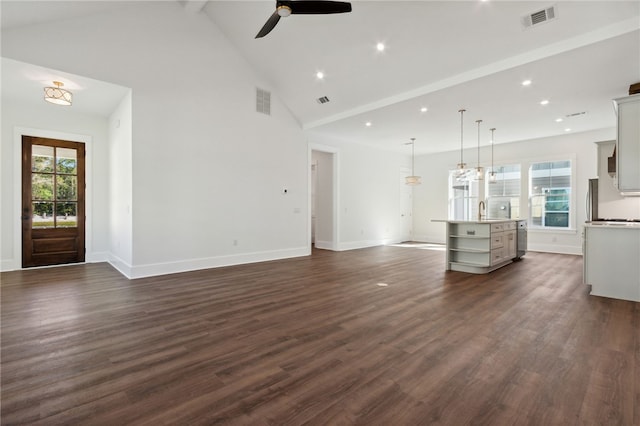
(302, 7)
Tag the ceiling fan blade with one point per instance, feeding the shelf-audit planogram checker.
(269, 25)
(318, 7)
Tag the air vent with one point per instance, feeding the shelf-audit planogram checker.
(263, 101)
(323, 100)
(539, 17)
(576, 114)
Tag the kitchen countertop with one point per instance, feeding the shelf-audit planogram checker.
(620, 225)
(474, 221)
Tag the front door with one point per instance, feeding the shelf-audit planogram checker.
(53, 215)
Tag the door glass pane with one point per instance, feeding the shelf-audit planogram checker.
(41, 186)
(66, 214)
(66, 161)
(42, 158)
(66, 188)
(42, 215)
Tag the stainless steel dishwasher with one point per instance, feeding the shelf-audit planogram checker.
(521, 247)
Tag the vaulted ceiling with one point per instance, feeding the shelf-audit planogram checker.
(439, 55)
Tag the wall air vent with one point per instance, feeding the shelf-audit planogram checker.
(323, 100)
(539, 17)
(263, 101)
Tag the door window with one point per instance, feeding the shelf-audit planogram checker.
(54, 187)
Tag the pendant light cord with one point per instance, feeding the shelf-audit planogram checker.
(461, 111)
(478, 121)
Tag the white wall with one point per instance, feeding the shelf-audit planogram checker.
(52, 121)
(368, 194)
(120, 188)
(431, 201)
(207, 170)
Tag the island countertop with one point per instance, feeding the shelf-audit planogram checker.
(474, 221)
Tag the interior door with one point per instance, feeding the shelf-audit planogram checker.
(53, 208)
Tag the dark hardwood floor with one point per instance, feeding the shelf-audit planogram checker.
(316, 340)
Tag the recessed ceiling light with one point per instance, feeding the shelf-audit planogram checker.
(544, 102)
(320, 75)
(368, 124)
(526, 82)
(559, 120)
(423, 109)
(380, 47)
(567, 129)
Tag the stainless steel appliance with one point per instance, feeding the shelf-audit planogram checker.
(521, 247)
(592, 200)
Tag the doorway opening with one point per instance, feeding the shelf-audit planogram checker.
(323, 209)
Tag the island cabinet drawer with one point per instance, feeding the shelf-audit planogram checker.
(497, 240)
(497, 256)
(497, 227)
(509, 226)
(469, 230)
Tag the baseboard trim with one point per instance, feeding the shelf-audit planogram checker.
(555, 248)
(97, 257)
(7, 265)
(354, 245)
(150, 270)
(121, 266)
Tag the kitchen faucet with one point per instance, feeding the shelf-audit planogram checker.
(481, 209)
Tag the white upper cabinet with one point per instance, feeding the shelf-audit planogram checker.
(628, 144)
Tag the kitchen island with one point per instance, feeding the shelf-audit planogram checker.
(612, 259)
(479, 247)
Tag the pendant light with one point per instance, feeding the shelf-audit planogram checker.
(413, 179)
(479, 170)
(57, 95)
(493, 177)
(462, 166)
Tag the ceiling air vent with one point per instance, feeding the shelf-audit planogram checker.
(263, 101)
(539, 17)
(323, 100)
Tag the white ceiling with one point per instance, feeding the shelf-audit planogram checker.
(444, 55)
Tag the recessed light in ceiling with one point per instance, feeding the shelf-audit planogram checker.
(567, 129)
(423, 109)
(368, 124)
(526, 83)
(380, 47)
(320, 75)
(559, 120)
(544, 102)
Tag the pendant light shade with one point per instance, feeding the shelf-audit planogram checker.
(479, 170)
(493, 177)
(57, 95)
(413, 179)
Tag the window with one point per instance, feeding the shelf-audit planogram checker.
(503, 196)
(463, 195)
(550, 194)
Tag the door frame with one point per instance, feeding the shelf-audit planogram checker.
(18, 132)
(333, 151)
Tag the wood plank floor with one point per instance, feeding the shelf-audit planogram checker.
(317, 341)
